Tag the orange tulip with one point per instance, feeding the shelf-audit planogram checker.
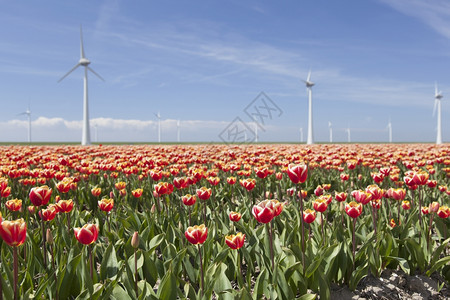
(235, 241)
(86, 234)
(196, 234)
(14, 232)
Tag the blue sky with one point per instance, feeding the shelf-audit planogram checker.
(203, 62)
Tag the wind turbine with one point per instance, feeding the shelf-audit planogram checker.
(159, 126)
(348, 134)
(389, 127)
(331, 131)
(178, 131)
(28, 113)
(84, 62)
(437, 104)
(309, 85)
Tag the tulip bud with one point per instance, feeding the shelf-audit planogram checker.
(135, 240)
(49, 236)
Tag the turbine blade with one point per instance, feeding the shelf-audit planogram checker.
(67, 74)
(90, 69)
(309, 75)
(435, 89)
(81, 43)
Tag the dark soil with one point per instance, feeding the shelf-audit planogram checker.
(395, 285)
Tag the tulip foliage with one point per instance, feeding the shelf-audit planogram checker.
(274, 221)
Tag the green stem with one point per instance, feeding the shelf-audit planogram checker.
(303, 230)
(271, 244)
(16, 273)
(353, 242)
(91, 262)
(135, 274)
(202, 283)
(44, 246)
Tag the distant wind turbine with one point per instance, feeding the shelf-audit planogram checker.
(28, 113)
(309, 85)
(158, 116)
(301, 134)
(389, 127)
(331, 132)
(178, 131)
(84, 62)
(348, 134)
(437, 104)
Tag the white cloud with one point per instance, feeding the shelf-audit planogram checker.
(435, 14)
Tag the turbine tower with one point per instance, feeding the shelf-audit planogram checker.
(348, 135)
(178, 131)
(331, 132)
(28, 113)
(389, 127)
(84, 62)
(158, 116)
(309, 85)
(437, 104)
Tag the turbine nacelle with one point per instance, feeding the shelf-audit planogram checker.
(84, 61)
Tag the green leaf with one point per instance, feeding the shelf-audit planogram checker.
(308, 297)
(261, 281)
(442, 262)
(403, 263)
(438, 251)
(109, 266)
(155, 242)
(168, 287)
(313, 266)
(357, 275)
(120, 294)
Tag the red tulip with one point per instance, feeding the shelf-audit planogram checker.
(96, 191)
(120, 185)
(444, 212)
(234, 216)
(14, 205)
(14, 232)
(204, 193)
(398, 194)
(248, 183)
(40, 195)
(235, 241)
(137, 193)
(5, 192)
(48, 214)
(406, 205)
(266, 210)
(434, 207)
(64, 206)
(297, 173)
(309, 216)
(353, 209)
(180, 182)
(362, 196)
(189, 199)
(231, 180)
(86, 234)
(106, 204)
(320, 205)
(196, 234)
(340, 196)
(420, 178)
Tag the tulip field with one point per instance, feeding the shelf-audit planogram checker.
(219, 221)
